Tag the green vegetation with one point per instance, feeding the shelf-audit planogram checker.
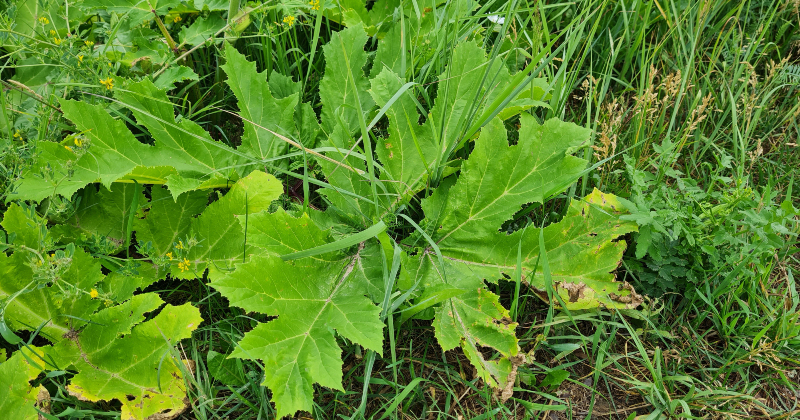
(399, 209)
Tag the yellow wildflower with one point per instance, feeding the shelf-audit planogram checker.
(57, 41)
(44, 20)
(177, 19)
(184, 265)
(289, 20)
(169, 255)
(314, 4)
(108, 83)
(80, 58)
(52, 33)
(94, 293)
(88, 43)
(78, 142)
(180, 245)
(17, 135)
(68, 148)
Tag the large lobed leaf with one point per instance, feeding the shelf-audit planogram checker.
(263, 114)
(184, 157)
(18, 397)
(312, 297)
(52, 292)
(116, 358)
(331, 292)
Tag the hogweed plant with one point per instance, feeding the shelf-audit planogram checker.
(411, 227)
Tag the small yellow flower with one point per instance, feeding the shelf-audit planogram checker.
(57, 41)
(184, 265)
(78, 142)
(169, 255)
(44, 20)
(289, 20)
(88, 43)
(68, 148)
(17, 135)
(108, 83)
(52, 33)
(314, 4)
(94, 294)
(80, 58)
(177, 19)
(180, 245)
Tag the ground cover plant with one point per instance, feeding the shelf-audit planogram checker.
(399, 209)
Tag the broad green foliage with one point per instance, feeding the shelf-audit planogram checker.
(266, 115)
(218, 239)
(379, 16)
(314, 296)
(458, 163)
(54, 292)
(310, 300)
(343, 88)
(18, 397)
(110, 367)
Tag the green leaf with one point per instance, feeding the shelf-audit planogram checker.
(25, 226)
(106, 151)
(298, 348)
(263, 115)
(469, 315)
(84, 273)
(283, 86)
(349, 183)
(211, 5)
(168, 221)
(137, 368)
(305, 119)
(389, 54)
(120, 286)
(219, 237)
(183, 145)
(281, 234)
(58, 308)
(554, 378)
(344, 85)
(535, 95)
(409, 154)
(148, 51)
(34, 306)
(100, 214)
(227, 371)
(137, 10)
(498, 179)
(174, 75)
(111, 153)
(495, 182)
(201, 29)
(458, 96)
(18, 397)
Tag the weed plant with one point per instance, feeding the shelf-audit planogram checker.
(695, 119)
